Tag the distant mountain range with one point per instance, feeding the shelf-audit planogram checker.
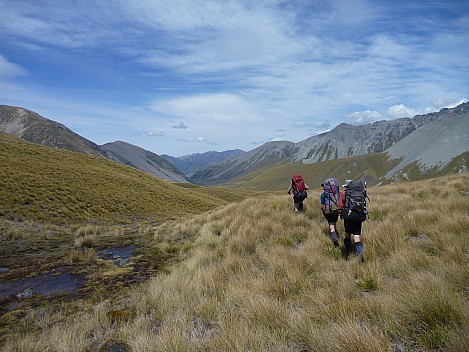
(407, 140)
(413, 146)
(189, 164)
(37, 129)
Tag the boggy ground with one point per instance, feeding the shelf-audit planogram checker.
(44, 266)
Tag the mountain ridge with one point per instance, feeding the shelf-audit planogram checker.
(139, 158)
(37, 129)
(343, 141)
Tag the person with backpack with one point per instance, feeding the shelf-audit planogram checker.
(299, 189)
(353, 204)
(330, 206)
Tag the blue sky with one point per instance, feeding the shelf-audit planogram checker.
(189, 76)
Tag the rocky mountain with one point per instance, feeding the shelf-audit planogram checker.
(190, 164)
(144, 160)
(37, 129)
(267, 155)
(345, 141)
(433, 145)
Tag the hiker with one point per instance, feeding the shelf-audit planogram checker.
(299, 188)
(353, 204)
(330, 206)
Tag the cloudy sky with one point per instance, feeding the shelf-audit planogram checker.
(184, 76)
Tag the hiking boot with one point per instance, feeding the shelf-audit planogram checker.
(361, 259)
(347, 247)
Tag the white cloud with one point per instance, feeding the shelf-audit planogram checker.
(441, 103)
(400, 110)
(364, 117)
(201, 139)
(394, 112)
(386, 47)
(219, 107)
(9, 69)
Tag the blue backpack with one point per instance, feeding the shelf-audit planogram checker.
(331, 195)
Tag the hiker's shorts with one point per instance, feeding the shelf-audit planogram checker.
(299, 199)
(331, 217)
(353, 227)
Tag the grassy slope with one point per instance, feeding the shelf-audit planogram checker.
(367, 167)
(259, 278)
(54, 186)
(413, 171)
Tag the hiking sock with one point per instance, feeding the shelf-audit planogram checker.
(348, 246)
(359, 248)
(334, 238)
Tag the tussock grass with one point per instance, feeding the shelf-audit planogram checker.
(254, 276)
(87, 256)
(84, 241)
(54, 186)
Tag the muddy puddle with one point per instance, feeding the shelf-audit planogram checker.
(48, 285)
(56, 282)
(120, 256)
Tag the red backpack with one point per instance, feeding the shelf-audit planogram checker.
(298, 185)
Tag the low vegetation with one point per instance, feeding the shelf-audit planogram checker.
(370, 167)
(253, 276)
(47, 185)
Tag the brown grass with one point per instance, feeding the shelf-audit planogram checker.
(53, 186)
(253, 276)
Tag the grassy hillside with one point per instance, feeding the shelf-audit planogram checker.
(413, 171)
(56, 186)
(367, 167)
(372, 168)
(256, 277)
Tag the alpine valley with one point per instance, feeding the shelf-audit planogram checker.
(383, 152)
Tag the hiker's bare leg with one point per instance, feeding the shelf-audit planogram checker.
(356, 238)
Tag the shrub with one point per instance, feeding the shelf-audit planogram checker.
(367, 283)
